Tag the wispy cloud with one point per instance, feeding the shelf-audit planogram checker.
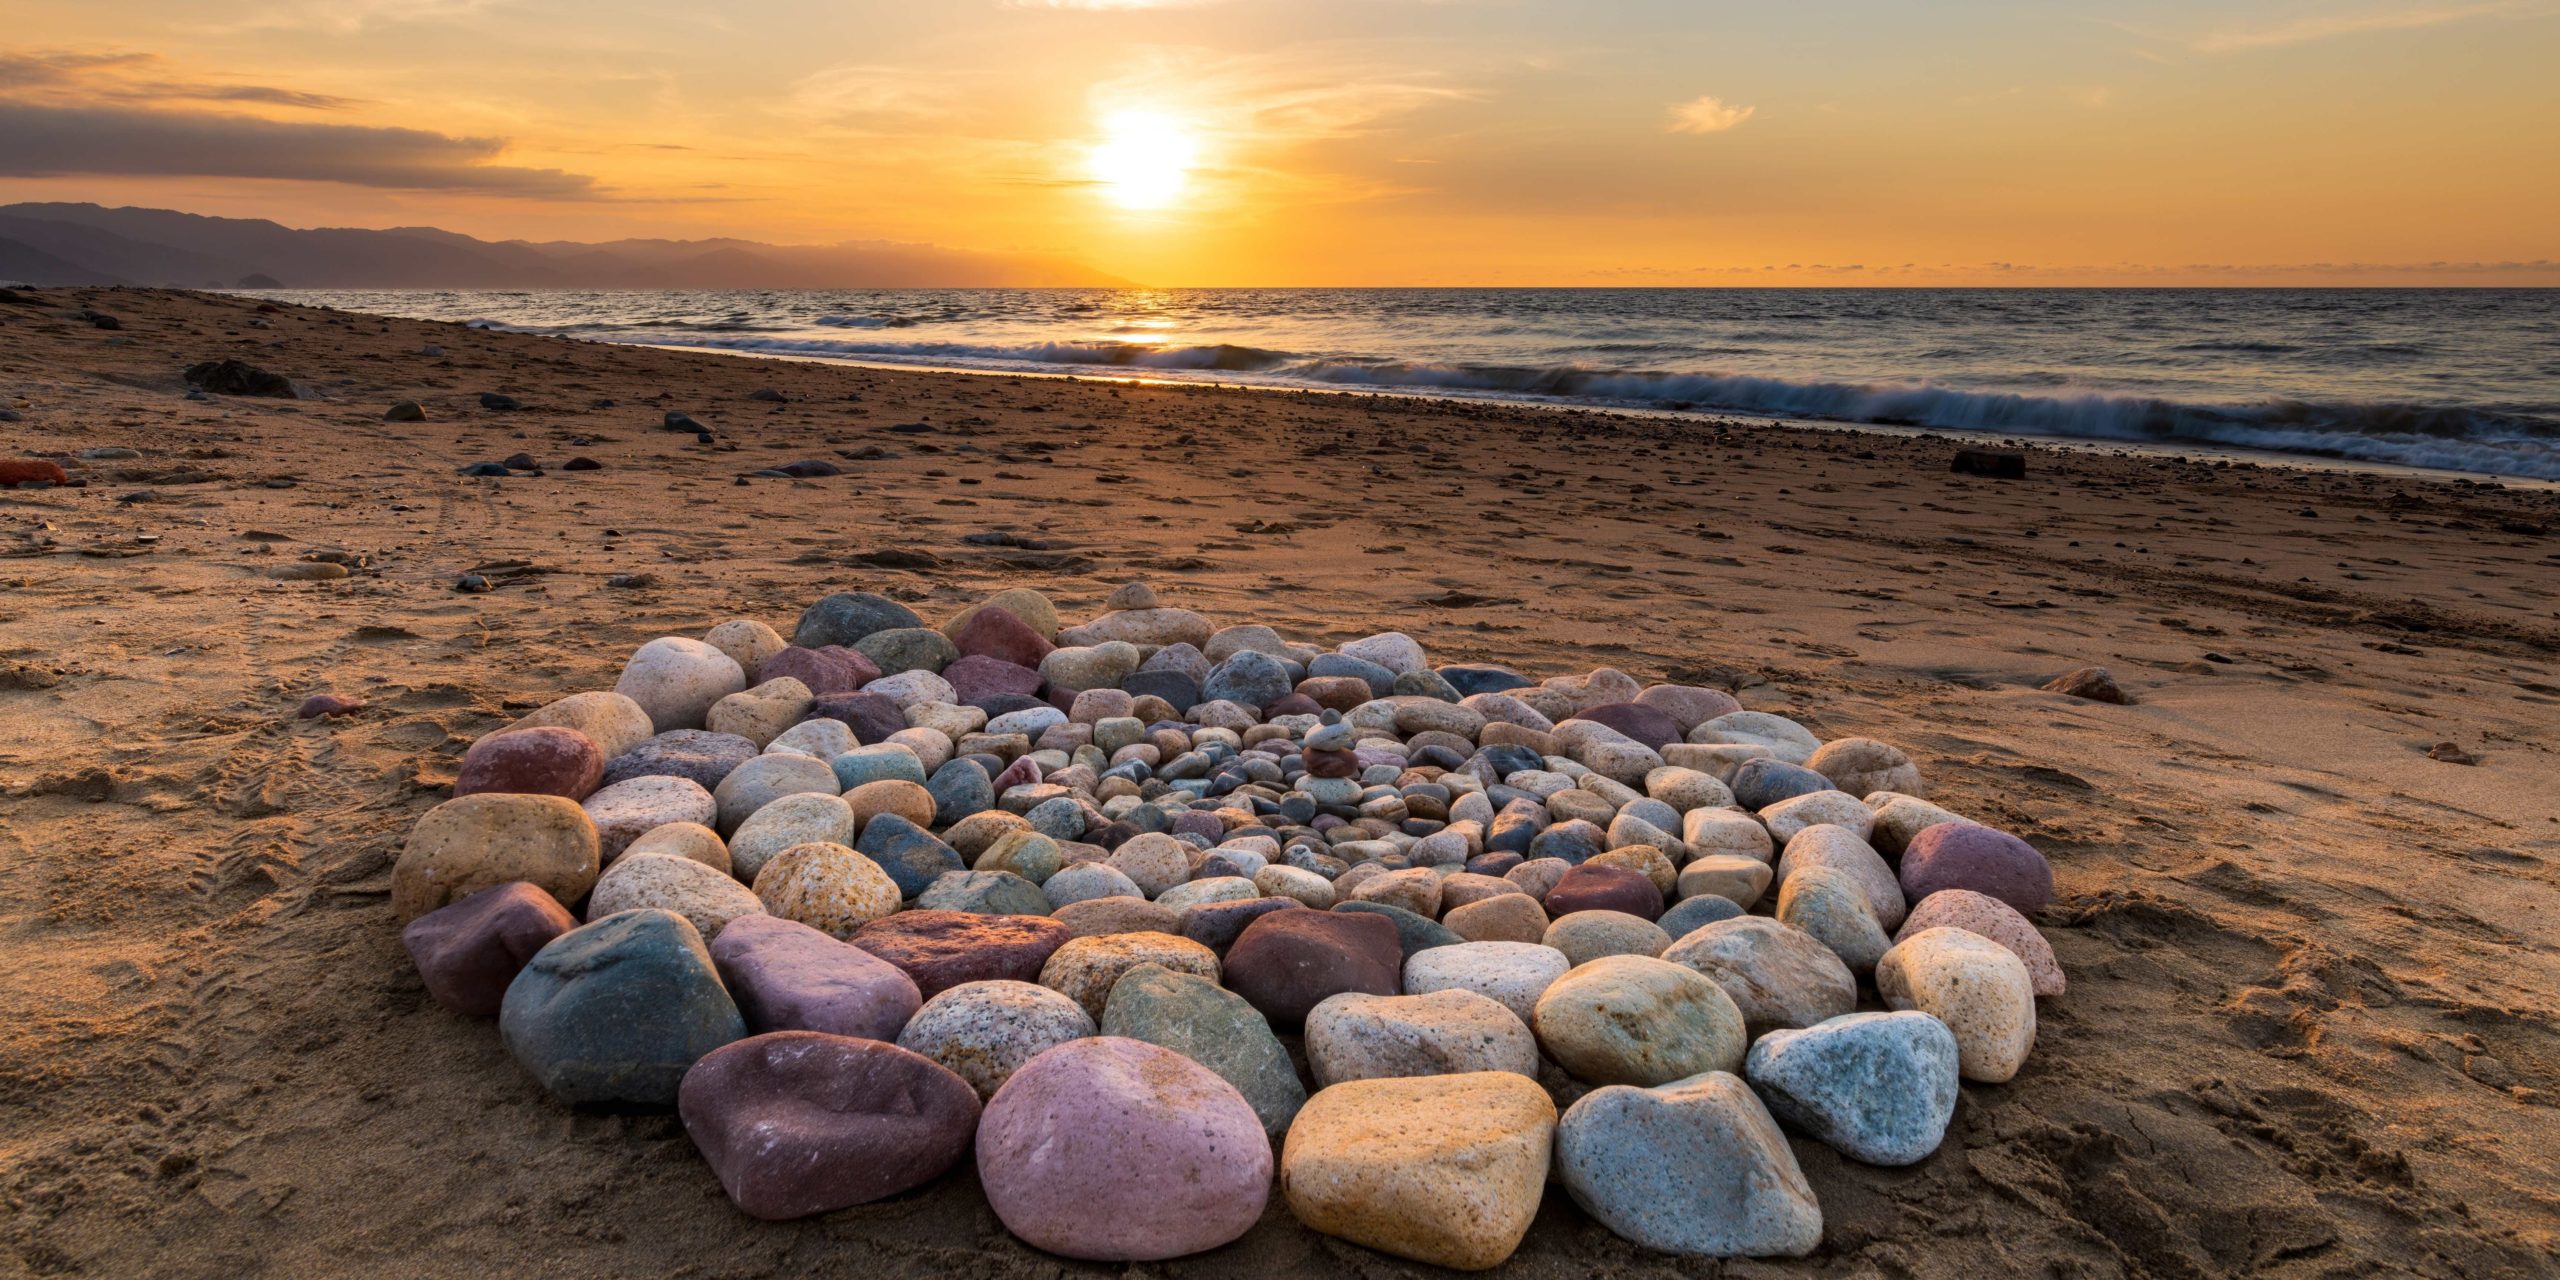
(88, 77)
(2333, 23)
(1708, 114)
(866, 90)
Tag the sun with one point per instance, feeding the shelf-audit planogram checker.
(1144, 159)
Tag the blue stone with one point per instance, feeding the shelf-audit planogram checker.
(617, 1011)
(1254, 679)
(1172, 686)
(1470, 681)
(1690, 914)
(848, 616)
(960, 787)
(1878, 1087)
(1507, 758)
(1762, 782)
(909, 853)
(1381, 681)
(1576, 842)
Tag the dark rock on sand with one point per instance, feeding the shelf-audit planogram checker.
(468, 951)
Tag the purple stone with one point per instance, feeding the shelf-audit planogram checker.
(832, 669)
(1647, 725)
(469, 951)
(698, 755)
(1022, 772)
(798, 1122)
(1961, 855)
(787, 976)
(977, 677)
(871, 716)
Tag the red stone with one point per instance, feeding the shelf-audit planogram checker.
(992, 632)
(468, 951)
(545, 761)
(942, 949)
(977, 677)
(1601, 887)
(831, 669)
(1288, 962)
(18, 471)
(1647, 725)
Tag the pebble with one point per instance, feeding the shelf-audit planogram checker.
(911, 856)
(1831, 905)
(786, 976)
(701, 758)
(1598, 887)
(1083, 969)
(707, 899)
(471, 843)
(616, 1012)
(1355, 1036)
(1508, 917)
(763, 780)
(1212, 1026)
(547, 760)
(1983, 914)
(1777, 976)
(827, 887)
(1628, 1019)
(1124, 913)
(1740, 880)
(1962, 855)
(748, 643)
(676, 680)
(796, 1123)
(1977, 987)
(826, 670)
(1691, 914)
(804, 817)
(468, 951)
(1860, 766)
(615, 723)
(1288, 962)
(1840, 849)
(985, 1031)
(1788, 817)
(762, 713)
(1115, 1150)
(846, 617)
(1585, 936)
(1514, 973)
(1785, 739)
(983, 893)
(1447, 1170)
(684, 840)
(1876, 1087)
(1694, 1167)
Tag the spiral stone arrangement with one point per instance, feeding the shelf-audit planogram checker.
(1151, 914)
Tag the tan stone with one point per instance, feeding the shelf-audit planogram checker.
(1446, 1170)
(477, 842)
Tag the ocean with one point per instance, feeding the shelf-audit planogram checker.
(2464, 380)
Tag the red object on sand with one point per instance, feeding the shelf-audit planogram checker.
(18, 471)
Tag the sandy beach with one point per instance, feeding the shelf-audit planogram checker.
(2307, 878)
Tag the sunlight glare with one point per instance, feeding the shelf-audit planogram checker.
(1144, 159)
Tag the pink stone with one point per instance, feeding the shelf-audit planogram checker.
(798, 1122)
(975, 678)
(787, 976)
(831, 669)
(1649, 725)
(1022, 772)
(544, 761)
(1115, 1150)
(468, 951)
(1986, 915)
(993, 632)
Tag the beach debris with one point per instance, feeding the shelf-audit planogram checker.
(2451, 753)
(768, 395)
(1999, 464)
(2093, 684)
(520, 462)
(235, 378)
(679, 420)
(1088, 873)
(405, 411)
(502, 403)
(32, 473)
(484, 469)
(582, 464)
(8, 414)
(329, 705)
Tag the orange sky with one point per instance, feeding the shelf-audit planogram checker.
(1207, 142)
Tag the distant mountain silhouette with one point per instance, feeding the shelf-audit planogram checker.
(46, 244)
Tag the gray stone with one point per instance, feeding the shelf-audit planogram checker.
(1780, 977)
(1353, 1036)
(1214, 1027)
(1877, 1087)
(984, 893)
(1695, 1167)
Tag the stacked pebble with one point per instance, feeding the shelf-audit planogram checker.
(862, 901)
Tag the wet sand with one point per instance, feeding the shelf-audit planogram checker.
(2314, 1018)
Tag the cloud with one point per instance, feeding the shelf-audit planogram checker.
(87, 78)
(2324, 26)
(39, 140)
(1707, 114)
(870, 90)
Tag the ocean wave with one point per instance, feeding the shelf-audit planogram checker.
(2442, 436)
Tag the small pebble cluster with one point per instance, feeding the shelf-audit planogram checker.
(1151, 914)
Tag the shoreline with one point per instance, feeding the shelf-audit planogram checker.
(2306, 875)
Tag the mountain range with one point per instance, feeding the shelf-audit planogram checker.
(87, 244)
